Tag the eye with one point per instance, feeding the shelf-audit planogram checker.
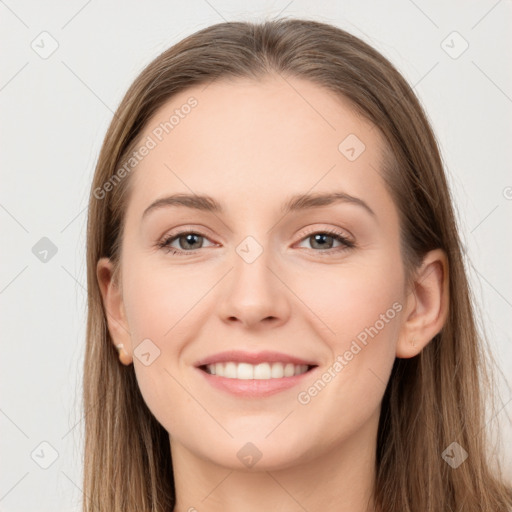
(324, 241)
(188, 242)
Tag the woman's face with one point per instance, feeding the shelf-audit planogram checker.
(263, 272)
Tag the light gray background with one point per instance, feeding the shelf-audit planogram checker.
(54, 114)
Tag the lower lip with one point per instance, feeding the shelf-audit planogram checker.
(254, 388)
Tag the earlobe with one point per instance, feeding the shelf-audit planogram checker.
(113, 306)
(427, 305)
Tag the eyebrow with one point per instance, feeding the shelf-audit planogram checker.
(295, 203)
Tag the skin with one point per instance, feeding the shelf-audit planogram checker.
(251, 145)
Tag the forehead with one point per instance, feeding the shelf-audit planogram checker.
(255, 142)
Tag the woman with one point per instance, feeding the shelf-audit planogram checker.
(272, 251)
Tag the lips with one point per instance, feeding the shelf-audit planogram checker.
(255, 388)
(254, 358)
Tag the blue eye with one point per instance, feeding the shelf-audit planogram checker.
(191, 241)
(324, 241)
(185, 239)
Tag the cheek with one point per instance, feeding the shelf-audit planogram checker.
(159, 306)
(346, 300)
(157, 299)
(358, 310)
(166, 307)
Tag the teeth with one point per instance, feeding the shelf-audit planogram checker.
(262, 371)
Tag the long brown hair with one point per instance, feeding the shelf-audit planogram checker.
(431, 400)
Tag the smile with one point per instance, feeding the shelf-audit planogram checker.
(247, 381)
(261, 371)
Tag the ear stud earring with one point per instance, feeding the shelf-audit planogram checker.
(123, 355)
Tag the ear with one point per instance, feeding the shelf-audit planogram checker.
(114, 308)
(427, 305)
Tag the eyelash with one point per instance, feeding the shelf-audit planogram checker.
(348, 244)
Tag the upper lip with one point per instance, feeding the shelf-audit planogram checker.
(239, 356)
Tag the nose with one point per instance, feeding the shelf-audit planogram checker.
(255, 294)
